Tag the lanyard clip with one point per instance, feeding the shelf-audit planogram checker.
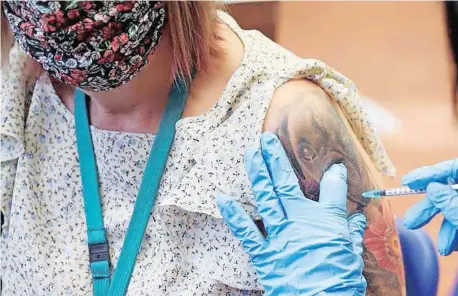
(99, 252)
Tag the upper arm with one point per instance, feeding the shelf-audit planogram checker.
(315, 137)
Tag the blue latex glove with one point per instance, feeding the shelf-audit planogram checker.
(311, 248)
(439, 198)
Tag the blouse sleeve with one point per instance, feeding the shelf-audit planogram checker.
(16, 90)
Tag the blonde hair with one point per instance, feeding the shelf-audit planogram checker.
(193, 35)
(192, 27)
(7, 39)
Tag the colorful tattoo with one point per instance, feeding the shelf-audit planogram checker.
(314, 138)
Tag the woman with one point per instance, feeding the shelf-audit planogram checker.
(125, 56)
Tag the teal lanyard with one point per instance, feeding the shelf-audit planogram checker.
(97, 240)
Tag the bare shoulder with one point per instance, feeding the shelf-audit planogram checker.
(290, 93)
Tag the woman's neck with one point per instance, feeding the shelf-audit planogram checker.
(136, 106)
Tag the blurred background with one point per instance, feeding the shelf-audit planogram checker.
(398, 55)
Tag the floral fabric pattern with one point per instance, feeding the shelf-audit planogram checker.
(94, 45)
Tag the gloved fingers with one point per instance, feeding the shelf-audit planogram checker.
(447, 238)
(282, 174)
(268, 204)
(333, 186)
(241, 224)
(445, 199)
(421, 177)
(357, 224)
(420, 214)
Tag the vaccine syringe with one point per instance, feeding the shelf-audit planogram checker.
(396, 191)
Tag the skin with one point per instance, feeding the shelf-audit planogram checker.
(314, 138)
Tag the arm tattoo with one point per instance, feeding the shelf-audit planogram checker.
(314, 137)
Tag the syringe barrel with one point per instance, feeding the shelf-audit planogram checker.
(400, 191)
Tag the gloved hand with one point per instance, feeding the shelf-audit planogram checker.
(311, 248)
(439, 198)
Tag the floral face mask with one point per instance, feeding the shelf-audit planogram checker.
(93, 45)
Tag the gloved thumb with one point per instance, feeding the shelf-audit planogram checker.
(333, 186)
(241, 224)
(357, 224)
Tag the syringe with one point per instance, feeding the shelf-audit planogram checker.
(396, 191)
